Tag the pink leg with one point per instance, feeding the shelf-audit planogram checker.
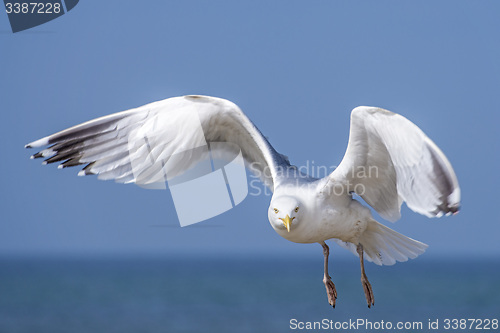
(370, 299)
(327, 280)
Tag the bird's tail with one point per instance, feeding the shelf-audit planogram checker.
(384, 246)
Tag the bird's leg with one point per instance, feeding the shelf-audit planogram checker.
(327, 280)
(370, 299)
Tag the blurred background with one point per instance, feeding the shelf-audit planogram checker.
(80, 254)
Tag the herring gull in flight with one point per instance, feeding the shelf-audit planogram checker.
(388, 161)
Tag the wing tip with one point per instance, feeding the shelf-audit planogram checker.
(87, 170)
(38, 143)
(446, 210)
(454, 209)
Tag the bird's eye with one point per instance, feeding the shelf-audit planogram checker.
(296, 209)
(276, 210)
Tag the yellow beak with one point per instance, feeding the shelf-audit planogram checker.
(287, 221)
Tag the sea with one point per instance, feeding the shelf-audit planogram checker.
(244, 294)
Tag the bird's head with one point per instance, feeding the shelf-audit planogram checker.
(284, 213)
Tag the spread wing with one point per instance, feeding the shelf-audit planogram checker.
(167, 137)
(390, 160)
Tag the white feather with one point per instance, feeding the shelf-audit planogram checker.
(141, 141)
(400, 163)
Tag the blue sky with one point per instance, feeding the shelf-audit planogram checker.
(295, 68)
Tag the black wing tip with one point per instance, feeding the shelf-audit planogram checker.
(87, 170)
(37, 155)
(455, 209)
(450, 208)
(70, 163)
(445, 209)
(38, 143)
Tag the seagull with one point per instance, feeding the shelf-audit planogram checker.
(388, 161)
